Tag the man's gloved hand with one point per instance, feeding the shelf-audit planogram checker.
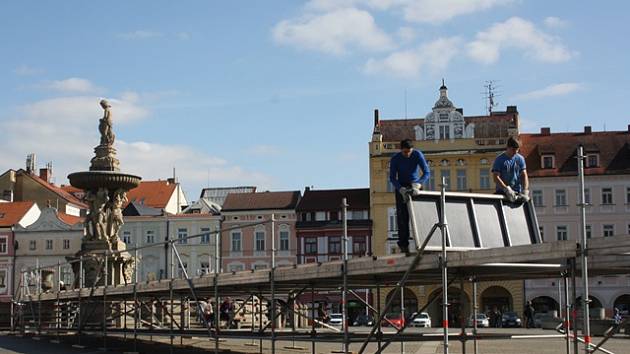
(510, 194)
(404, 191)
(415, 189)
(524, 195)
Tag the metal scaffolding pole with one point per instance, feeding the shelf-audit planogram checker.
(475, 311)
(344, 293)
(272, 279)
(171, 303)
(567, 308)
(217, 320)
(586, 328)
(443, 263)
(574, 311)
(462, 319)
(379, 333)
(313, 331)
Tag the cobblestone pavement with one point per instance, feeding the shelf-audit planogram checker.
(620, 344)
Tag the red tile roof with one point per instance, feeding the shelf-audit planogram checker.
(12, 213)
(261, 201)
(155, 194)
(57, 190)
(330, 199)
(613, 149)
(493, 126)
(69, 219)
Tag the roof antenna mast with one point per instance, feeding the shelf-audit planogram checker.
(489, 95)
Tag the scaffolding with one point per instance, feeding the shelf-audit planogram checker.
(165, 307)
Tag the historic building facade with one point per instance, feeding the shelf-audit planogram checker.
(552, 167)
(249, 247)
(459, 148)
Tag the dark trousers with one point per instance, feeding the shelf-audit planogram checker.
(402, 219)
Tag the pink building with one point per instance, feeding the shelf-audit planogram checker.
(249, 247)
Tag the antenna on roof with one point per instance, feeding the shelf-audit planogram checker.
(490, 95)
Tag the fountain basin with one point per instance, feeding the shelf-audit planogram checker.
(112, 180)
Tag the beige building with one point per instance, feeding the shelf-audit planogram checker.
(46, 243)
(457, 147)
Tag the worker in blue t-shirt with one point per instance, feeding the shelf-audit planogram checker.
(404, 174)
(510, 173)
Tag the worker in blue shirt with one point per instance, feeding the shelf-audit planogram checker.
(404, 174)
(510, 173)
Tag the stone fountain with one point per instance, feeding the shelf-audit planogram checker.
(106, 194)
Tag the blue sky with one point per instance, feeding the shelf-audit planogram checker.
(280, 94)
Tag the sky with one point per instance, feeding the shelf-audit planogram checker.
(280, 94)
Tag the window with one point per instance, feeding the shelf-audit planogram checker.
(181, 236)
(235, 267)
(150, 234)
(587, 196)
(561, 197)
(49, 244)
(609, 230)
(562, 233)
(461, 180)
(205, 267)
(607, 196)
(236, 241)
(547, 161)
(627, 195)
(359, 246)
(32, 245)
(443, 117)
(310, 245)
(589, 231)
(260, 266)
(537, 197)
(127, 237)
(445, 132)
(66, 244)
(628, 231)
(320, 216)
(284, 240)
(393, 224)
(3, 245)
(592, 160)
(357, 214)
(205, 238)
(260, 240)
(181, 270)
(484, 178)
(334, 245)
(432, 182)
(446, 174)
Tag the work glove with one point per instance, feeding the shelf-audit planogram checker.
(510, 194)
(524, 195)
(415, 189)
(404, 191)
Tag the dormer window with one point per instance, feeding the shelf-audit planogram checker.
(592, 160)
(444, 162)
(547, 161)
(461, 162)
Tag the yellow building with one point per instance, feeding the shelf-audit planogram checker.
(461, 149)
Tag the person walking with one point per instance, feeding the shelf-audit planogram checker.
(510, 173)
(404, 174)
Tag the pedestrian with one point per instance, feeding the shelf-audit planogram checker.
(404, 174)
(529, 313)
(510, 173)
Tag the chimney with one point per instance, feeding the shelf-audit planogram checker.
(545, 131)
(512, 109)
(588, 129)
(628, 128)
(376, 119)
(460, 110)
(170, 180)
(307, 188)
(45, 174)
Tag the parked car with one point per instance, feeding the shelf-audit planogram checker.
(394, 319)
(510, 319)
(482, 321)
(336, 319)
(363, 320)
(421, 320)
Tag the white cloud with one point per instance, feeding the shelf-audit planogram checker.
(406, 34)
(550, 91)
(25, 70)
(555, 22)
(419, 11)
(65, 130)
(431, 57)
(439, 11)
(71, 85)
(519, 34)
(140, 34)
(333, 32)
